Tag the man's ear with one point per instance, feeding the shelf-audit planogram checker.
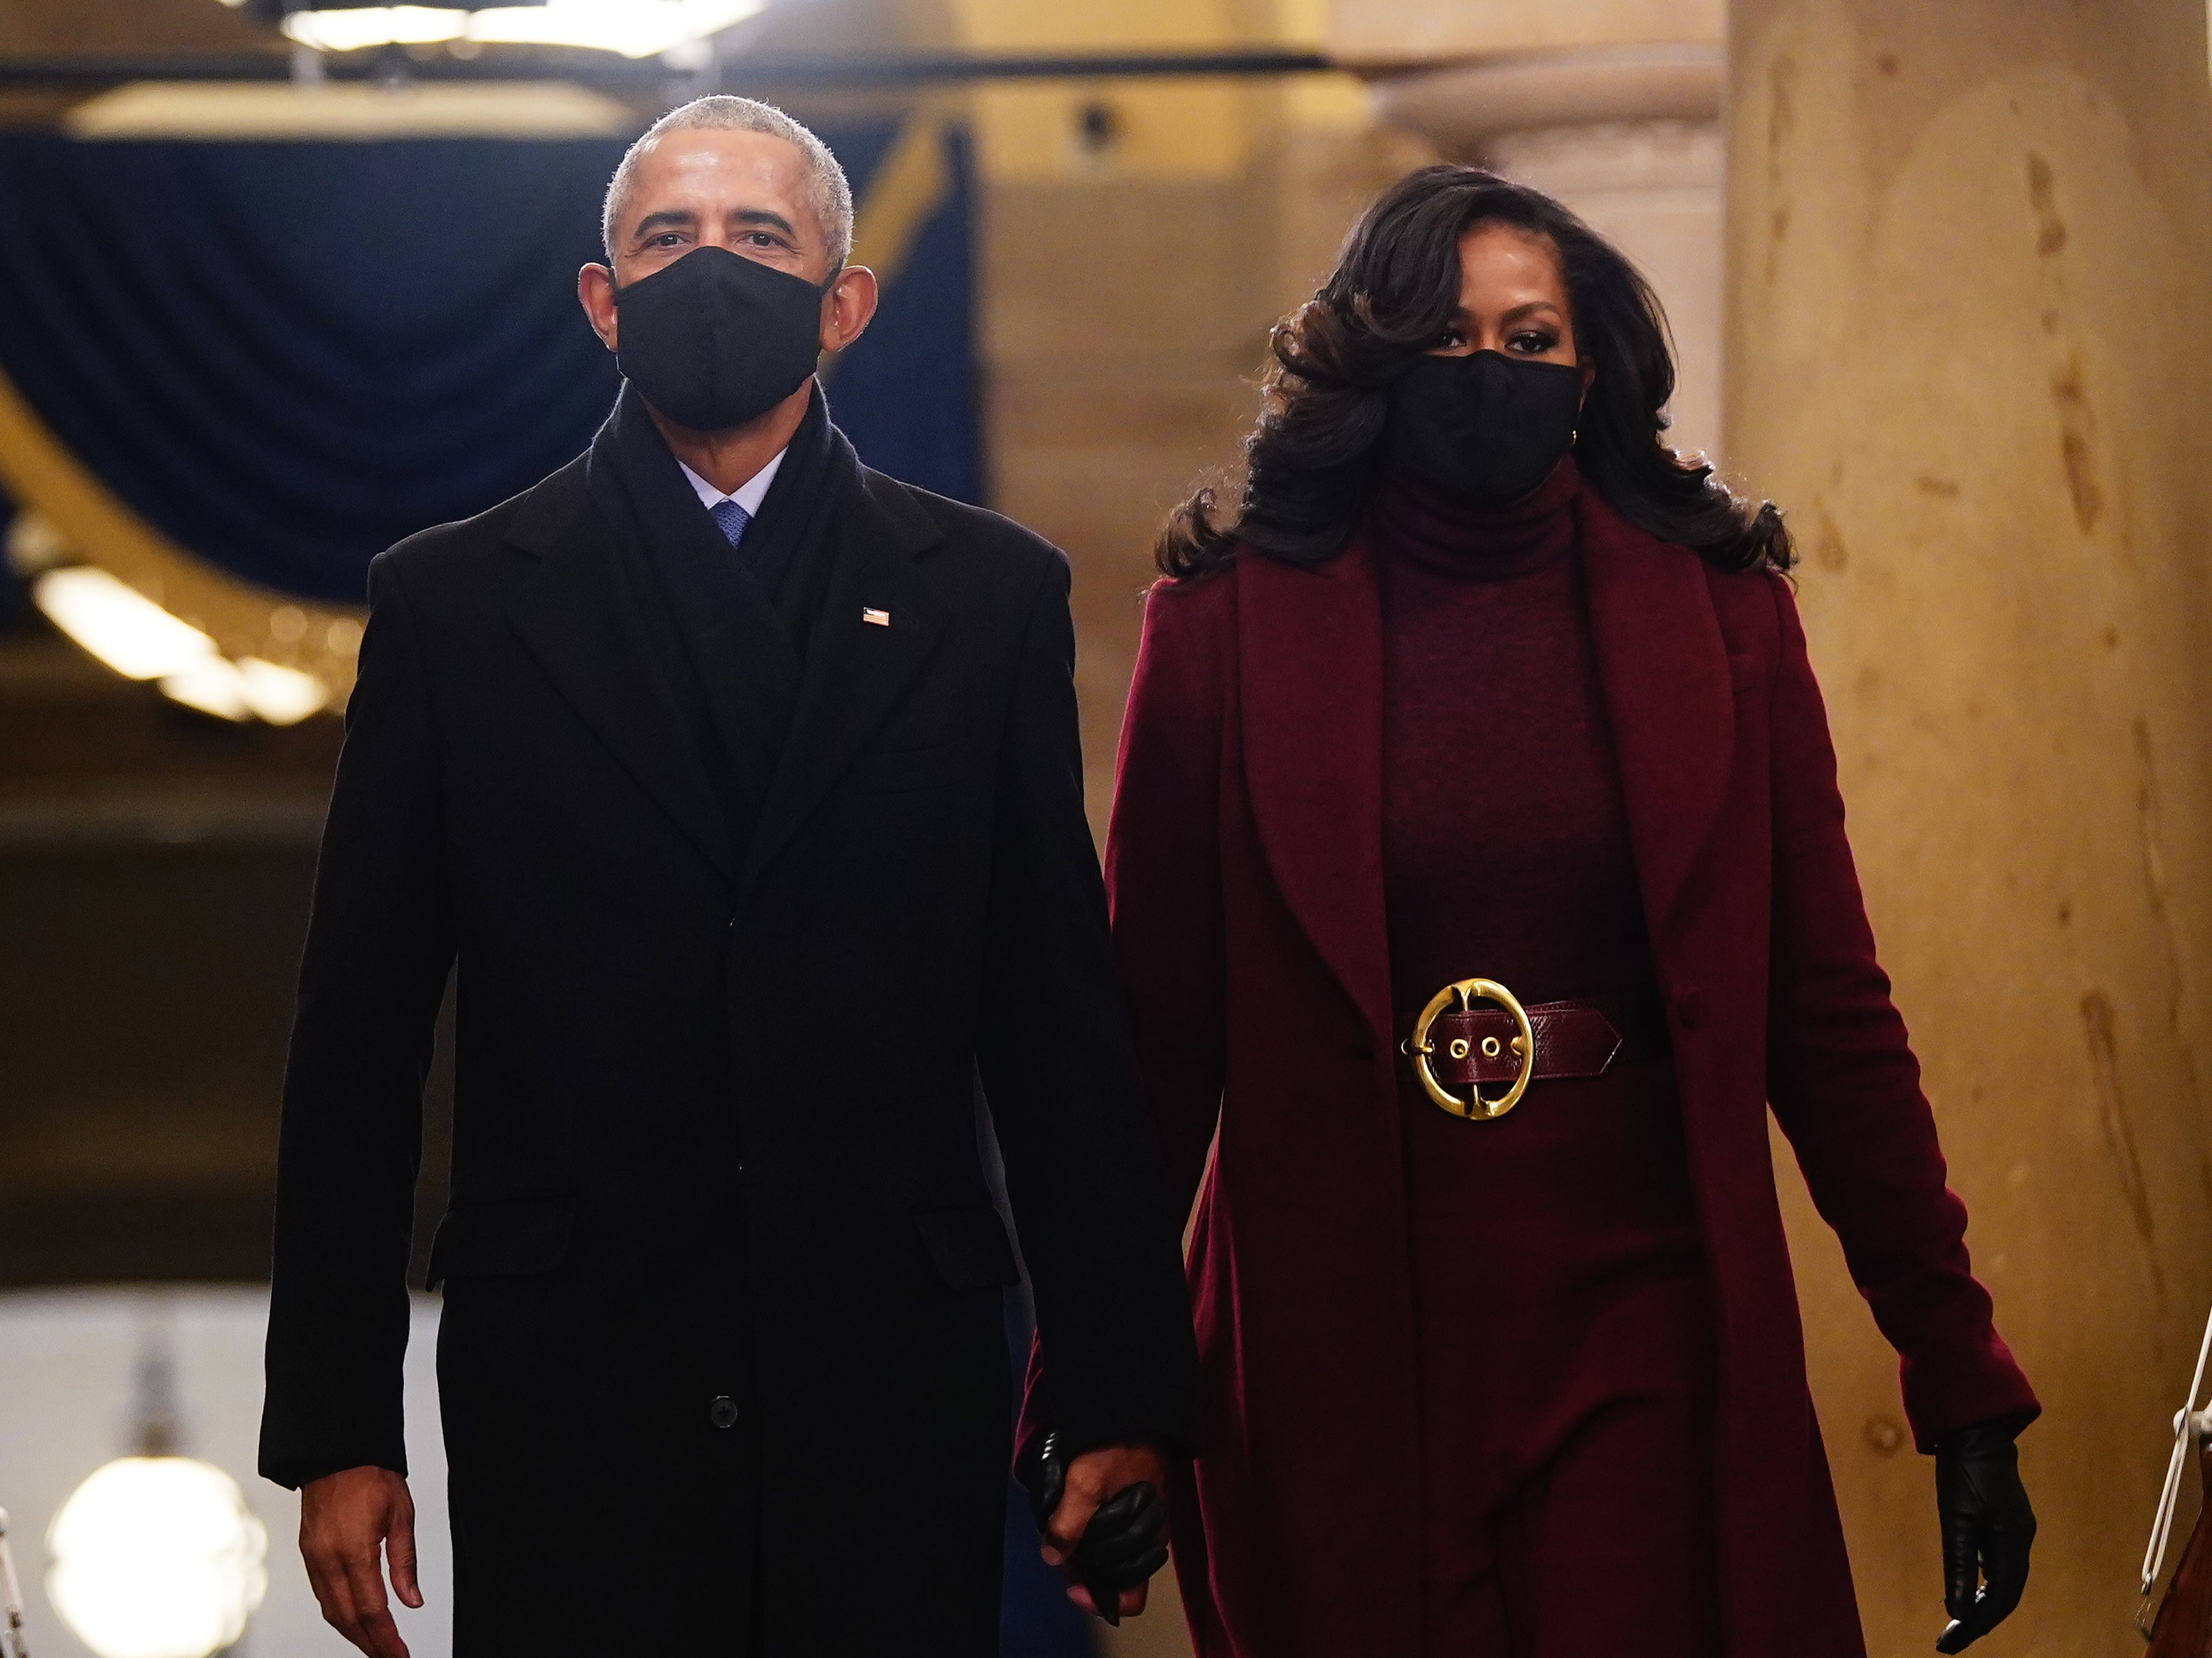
(595, 291)
(846, 308)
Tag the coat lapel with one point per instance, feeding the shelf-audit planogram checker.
(579, 620)
(1664, 668)
(1311, 684)
(856, 669)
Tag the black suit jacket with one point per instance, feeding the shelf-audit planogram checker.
(714, 1118)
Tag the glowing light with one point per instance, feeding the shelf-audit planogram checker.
(118, 624)
(635, 28)
(377, 26)
(253, 111)
(212, 685)
(280, 695)
(139, 639)
(157, 1556)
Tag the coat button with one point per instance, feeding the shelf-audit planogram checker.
(723, 1412)
(1686, 1007)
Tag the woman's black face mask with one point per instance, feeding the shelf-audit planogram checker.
(1485, 426)
(715, 339)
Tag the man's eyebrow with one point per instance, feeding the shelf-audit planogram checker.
(764, 217)
(667, 219)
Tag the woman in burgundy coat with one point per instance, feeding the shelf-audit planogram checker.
(1479, 874)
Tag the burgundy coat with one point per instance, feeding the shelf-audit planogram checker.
(1245, 868)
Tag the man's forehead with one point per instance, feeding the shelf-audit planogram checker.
(708, 168)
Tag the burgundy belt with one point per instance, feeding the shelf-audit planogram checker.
(1475, 1045)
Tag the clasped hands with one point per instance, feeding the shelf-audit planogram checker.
(1103, 1519)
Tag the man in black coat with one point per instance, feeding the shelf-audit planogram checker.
(742, 784)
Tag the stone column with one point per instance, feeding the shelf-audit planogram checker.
(1970, 279)
(1613, 108)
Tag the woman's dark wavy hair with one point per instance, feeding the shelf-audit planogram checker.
(1315, 456)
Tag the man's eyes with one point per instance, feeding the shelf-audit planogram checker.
(761, 239)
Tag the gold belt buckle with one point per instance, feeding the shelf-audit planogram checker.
(1419, 1048)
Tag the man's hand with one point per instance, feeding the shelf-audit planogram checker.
(351, 1523)
(1093, 1478)
(1987, 1528)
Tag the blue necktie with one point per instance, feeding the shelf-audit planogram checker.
(731, 519)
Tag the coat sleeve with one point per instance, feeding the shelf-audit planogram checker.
(1845, 1088)
(1115, 1358)
(1163, 880)
(380, 942)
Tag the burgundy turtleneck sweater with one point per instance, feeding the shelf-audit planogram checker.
(1561, 1306)
(1505, 850)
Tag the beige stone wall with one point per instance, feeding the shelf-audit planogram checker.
(1970, 273)
(1138, 239)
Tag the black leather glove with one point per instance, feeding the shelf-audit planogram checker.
(1123, 1545)
(1987, 1528)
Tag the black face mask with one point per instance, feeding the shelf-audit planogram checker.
(1486, 426)
(714, 340)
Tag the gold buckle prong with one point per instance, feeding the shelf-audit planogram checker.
(1418, 1046)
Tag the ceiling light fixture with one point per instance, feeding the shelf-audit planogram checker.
(635, 28)
(139, 639)
(264, 110)
(117, 623)
(157, 1555)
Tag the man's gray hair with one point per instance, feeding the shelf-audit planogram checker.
(828, 191)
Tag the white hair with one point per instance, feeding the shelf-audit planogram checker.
(828, 192)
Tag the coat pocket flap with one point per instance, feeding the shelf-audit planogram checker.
(502, 1237)
(969, 1247)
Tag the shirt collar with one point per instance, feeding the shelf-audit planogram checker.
(748, 494)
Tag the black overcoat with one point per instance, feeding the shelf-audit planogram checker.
(715, 1157)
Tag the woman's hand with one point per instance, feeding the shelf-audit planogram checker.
(1987, 1528)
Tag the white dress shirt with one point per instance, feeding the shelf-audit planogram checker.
(748, 494)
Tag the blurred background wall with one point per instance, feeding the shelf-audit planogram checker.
(1970, 262)
(1938, 281)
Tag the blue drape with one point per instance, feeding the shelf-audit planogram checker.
(287, 356)
(907, 394)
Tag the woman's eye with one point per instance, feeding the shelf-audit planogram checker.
(1532, 343)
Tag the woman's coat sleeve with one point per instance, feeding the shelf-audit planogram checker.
(1845, 1088)
(1164, 867)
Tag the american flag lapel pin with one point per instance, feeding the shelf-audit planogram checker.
(879, 618)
